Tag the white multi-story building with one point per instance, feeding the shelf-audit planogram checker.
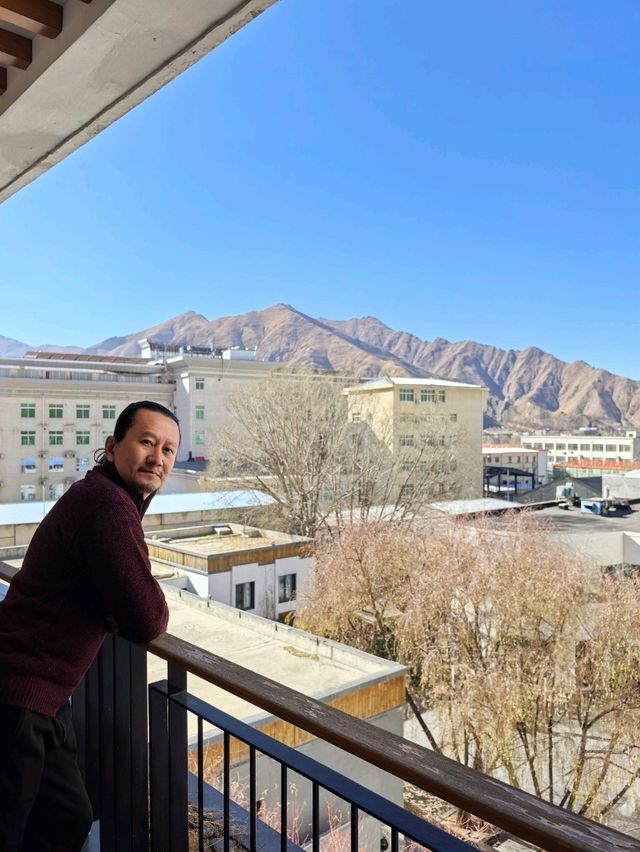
(564, 448)
(57, 409)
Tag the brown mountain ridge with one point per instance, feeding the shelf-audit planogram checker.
(527, 389)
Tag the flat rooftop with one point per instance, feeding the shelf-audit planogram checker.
(33, 512)
(309, 664)
(210, 543)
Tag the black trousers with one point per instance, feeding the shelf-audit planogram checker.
(44, 806)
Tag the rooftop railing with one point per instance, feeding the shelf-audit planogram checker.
(153, 786)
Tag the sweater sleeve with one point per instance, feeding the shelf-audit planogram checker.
(117, 561)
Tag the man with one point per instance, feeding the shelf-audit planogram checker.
(87, 567)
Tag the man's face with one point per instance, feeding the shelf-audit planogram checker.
(144, 458)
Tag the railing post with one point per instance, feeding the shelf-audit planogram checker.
(168, 763)
(178, 762)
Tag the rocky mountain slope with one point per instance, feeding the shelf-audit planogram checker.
(527, 389)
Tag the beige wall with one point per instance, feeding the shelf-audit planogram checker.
(405, 424)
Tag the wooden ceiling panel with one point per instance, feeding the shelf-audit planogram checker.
(15, 50)
(41, 17)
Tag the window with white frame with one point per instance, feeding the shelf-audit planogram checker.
(406, 490)
(82, 464)
(27, 465)
(83, 439)
(56, 490)
(56, 463)
(246, 595)
(27, 409)
(108, 412)
(56, 410)
(199, 383)
(442, 396)
(27, 439)
(427, 395)
(83, 412)
(406, 440)
(27, 493)
(199, 412)
(355, 417)
(199, 438)
(286, 588)
(406, 395)
(56, 437)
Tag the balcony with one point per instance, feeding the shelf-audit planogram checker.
(154, 785)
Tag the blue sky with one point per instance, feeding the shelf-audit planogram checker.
(462, 170)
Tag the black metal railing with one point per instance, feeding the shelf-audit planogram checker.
(168, 772)
(147, 780)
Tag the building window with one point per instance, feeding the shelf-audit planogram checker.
(56, 463)
(82, 464)
(572, 447)
(27, 493)
(199, 436)
(623, 448)
(406, 466)
(561, 446)
(27, 409)
(199, 384)
(406, 440)
(598, 448)
(355, 416)
(27, 465)
(245, 595)
(453, 465)
(286, 588)
(199, 412)
(27, 439)
(56, 411)
(406, 490)
(55, 438)
(611, 448)
(453, 418)
(83, 439)
(108, 412)
(105, 435)
(82, 412)
(585, 448)
(406, 395)
(427, 395)
(442, 396)
(55, 490)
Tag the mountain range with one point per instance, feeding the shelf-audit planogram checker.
(527, 388)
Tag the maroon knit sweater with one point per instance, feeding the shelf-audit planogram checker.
(87, 561)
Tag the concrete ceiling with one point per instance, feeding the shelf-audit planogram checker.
(108, 57)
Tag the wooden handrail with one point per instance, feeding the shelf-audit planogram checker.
(515, 811)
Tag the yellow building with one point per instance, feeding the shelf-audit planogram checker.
(432, 428)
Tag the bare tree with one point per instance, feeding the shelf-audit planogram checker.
(289, 436)
(524, 658)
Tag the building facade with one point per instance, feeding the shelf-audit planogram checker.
(563, 448)
(514, 458)
(57, 409)
(254, 570)
(433, 427)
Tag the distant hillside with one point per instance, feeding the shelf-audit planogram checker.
(527, 389)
